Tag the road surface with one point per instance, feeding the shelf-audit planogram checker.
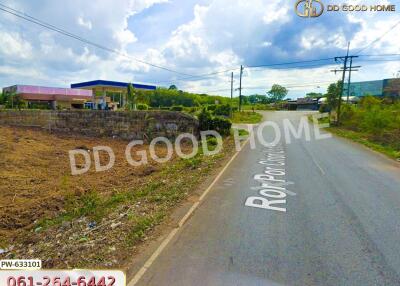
(341, 225)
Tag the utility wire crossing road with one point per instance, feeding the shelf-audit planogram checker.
(341, 224)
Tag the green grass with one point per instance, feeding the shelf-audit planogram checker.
(142, 224)
(258, 106)
(247, 117)
(364, 140)
(243, 132)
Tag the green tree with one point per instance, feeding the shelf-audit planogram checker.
(131, 97)
(314, 95)
(277, 93)
(173, 87)
(256, 98)
(333, 94)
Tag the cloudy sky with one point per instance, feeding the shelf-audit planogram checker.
(192, 38)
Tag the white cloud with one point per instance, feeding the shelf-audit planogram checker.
(87, 24)
(13, 45)
(125, 37)
(222, 34)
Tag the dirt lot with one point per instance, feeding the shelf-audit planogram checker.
(93, 220)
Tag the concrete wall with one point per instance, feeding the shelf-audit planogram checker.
(97, 123)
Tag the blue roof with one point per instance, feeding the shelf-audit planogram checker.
(109, 83)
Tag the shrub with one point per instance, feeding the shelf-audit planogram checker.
(205, 120)
(221, 125)
(211, 107)
(209, 122)
(176, 108)
(142, 106)
(222, 110)
(375, 121)
(192, 110)
(347, 112)
(324, 108)
(369, 101)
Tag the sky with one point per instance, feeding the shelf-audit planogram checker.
(193, 38)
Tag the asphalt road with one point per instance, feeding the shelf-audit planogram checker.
(341, 225)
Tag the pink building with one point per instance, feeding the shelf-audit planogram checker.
(63, 98)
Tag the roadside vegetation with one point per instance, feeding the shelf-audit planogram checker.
(94, 220)
(374, 122)
(247, 117)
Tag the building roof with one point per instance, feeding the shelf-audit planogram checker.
(31, 92)
(112, 84)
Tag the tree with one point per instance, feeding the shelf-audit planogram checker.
(131, 97)
(173, 87)
(277, 93)
(256, 98)
(333, 94)
(314, 95)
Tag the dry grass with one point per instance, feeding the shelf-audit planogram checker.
(92, 220)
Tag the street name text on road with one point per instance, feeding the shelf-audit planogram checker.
(272, 191)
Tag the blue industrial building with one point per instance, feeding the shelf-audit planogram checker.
(385, 87)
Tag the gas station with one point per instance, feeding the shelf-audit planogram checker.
(109, 95)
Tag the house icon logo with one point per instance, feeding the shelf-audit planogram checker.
(309, 8)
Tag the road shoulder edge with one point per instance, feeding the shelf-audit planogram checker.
(180, 216)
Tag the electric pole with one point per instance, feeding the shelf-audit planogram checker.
(342, 87)
(240, 88)
(349, 81)
(345, 68)
(231, 94)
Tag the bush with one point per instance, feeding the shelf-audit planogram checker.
(209, 122)
(324, 108)
(369, 101)
(192, 110)
(222, 110)
(211, 107)
(375, 121)
(347, 112)
(205, 120)
(221, 125)
(142, 106)
(176, 108)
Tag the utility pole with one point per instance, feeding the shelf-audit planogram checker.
(345, 68)
(342, 87)
(240, 88)
(349, 81)
(231, 94)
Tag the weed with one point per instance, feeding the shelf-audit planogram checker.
(247, 117)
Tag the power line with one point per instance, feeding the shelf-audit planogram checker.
(380, 55)
(289, 86)
(36, 21)
(275, 66)
(205, 76)
(290, 63)
(384, 60)
(379, 38)
(54, 28)
(198, 76)
(296, 67)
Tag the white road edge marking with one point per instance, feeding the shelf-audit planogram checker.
(173, 232)
(318, 165)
